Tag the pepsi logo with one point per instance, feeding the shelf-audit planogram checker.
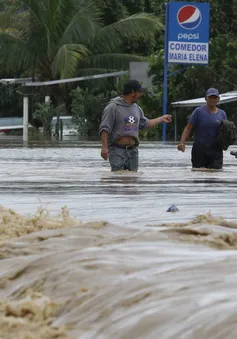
(189, 17)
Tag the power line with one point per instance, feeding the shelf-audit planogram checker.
(221, 77)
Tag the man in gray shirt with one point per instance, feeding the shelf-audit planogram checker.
(119, 128)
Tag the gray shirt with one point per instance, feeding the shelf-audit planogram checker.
(120, 119)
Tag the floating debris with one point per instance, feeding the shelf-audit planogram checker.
(234, 153)
(172, 208)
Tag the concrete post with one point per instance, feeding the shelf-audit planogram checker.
(25, 118)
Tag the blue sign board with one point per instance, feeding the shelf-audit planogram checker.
(188, 32)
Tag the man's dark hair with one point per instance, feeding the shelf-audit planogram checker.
(131, 86)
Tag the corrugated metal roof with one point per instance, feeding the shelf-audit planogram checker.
(224, 98)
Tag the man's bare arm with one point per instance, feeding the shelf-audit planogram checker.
(163, 119)
(184, 137)
(104, 141)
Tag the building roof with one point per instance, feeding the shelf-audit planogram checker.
(224, 98)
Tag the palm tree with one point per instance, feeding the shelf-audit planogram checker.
(55, 39)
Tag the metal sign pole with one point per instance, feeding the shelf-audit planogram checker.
(165, 83)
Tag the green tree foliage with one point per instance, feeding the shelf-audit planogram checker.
(60, 38)
(134, 6)
(87, 108)
(187, 82)
(111, 10)
(44, 113)
(53, 38)
(114, 10)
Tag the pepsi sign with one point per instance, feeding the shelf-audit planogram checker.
(188, 32)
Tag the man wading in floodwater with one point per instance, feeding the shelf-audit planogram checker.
(205, 121)
(121, 120)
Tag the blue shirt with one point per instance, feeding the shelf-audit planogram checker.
(206, 124)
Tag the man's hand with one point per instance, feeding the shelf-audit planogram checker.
(104, 153)
(166, 118)
(181, 147)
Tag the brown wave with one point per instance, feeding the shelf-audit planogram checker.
(30, 317)
(206, 229)
(204, 218)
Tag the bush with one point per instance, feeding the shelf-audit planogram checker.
(87, 108)
(43, 114)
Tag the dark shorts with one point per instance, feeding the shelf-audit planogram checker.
(123, 158)
(207, 156)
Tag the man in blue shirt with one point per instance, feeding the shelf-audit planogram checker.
(205, 121)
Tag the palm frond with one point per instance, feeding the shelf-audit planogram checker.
(66, 60)
(36, 10)
(57, 16)
(21, 55)
(113, 36)
(12, 18)
(27, 20)
(83, 26)
(116, 61)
